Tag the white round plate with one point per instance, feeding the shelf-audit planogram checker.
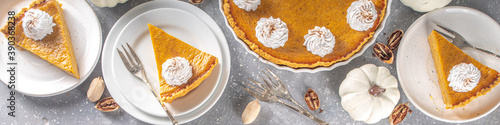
(415, 65)
(185, 27)
(317, 69)
(36, 77)
(190, 25)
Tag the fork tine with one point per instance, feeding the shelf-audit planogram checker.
(255, 94)
(124, 60)
(130, 59)
(447, 32)
(269, 78)
(258, 84)
(255, 88)
(266, 81)
(276, 78)
(134, 55)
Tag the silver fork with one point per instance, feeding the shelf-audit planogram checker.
(134, 65)
(279, 87)
(265, 94)
(459, 41)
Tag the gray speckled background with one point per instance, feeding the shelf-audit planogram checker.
(73, 107)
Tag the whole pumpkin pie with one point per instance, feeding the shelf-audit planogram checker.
(449, 59)
(55, 47)
(168, 47)
(314, 33)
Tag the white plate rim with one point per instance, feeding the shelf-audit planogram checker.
(210, 23)
(317, 69)
(94, 22)
(400, 56)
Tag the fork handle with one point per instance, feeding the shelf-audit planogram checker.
(174, 122)
(145, 79)
(300, 106)
(486, 51)
(308, 115)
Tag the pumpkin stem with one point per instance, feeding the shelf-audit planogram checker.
(376, 91)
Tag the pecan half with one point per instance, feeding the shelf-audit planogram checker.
(107, 105)
(195, 1)
(395, 39)
(399, 113)
(311, 99)
(383, 53)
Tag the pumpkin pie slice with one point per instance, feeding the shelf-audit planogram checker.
(56, 48)
(166, 47)
(446, 56)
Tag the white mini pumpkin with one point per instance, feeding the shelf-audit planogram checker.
(107, 3)
(363, 95)
(425, 5)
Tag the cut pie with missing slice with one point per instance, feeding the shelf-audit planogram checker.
(301, 16)
(166, 47)
(446, 56)
(56, 48)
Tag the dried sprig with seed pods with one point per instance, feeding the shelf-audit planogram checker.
(399, 113)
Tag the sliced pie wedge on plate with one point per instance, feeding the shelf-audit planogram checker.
(56, 48)
(446, 56)
(166, 47)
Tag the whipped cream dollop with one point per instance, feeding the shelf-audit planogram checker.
(176, 71)
(361, 15)
(247, 4)
(464, 77)
(271, 32)
(319, 41)
(37, 24)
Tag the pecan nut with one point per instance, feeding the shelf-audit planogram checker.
(383, 53)
(107, 105)
(311, 99)
(399, 113)
(395, 39)
(195, 1)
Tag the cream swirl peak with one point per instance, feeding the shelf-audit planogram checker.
(176, 71)
(361, 15)
(37, 24)
(464, 77)
(247, 4)
(319, 41)
(271, 32)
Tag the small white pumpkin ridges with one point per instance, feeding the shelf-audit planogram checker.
(425, 5)
(357, 100)
(107, 3)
